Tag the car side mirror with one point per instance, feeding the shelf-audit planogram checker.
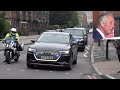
(85, 36)
(74, 42)
(33, 41)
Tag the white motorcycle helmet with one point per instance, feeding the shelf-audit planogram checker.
(13, 31)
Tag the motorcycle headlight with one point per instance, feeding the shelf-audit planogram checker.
(31, 50)
(65, 52)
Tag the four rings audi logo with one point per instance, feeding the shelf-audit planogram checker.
(45, 53)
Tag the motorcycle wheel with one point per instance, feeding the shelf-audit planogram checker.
(17, 55)
(7, 55)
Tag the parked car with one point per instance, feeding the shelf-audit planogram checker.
(85, 34)
(53, 48)
(78, 36)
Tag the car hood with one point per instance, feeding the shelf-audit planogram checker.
(77, 37)
(50, 46)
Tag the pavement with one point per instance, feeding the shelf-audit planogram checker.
(107, 68)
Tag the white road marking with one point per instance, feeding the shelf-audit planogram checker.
(87, 48)
(8, 69)
(94, 77)
(86, 51)
(89, 76)
(88, 45)
(84, 55)
(66, 73)
(22, 70)
(81, 73)
(94, 74)
(50, 71)
(36, 70)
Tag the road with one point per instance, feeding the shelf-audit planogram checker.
(18, 70)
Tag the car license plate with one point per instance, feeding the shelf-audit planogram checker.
(46, 57)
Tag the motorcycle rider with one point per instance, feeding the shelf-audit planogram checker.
(13, 34)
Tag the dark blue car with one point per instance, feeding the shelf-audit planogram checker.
(78, 36)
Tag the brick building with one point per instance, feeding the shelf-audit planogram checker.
(28, 22)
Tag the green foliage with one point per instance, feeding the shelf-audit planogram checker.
(73, 20)
(56, 27)
(63, 18)
(53, 27)
(4, 25)
(59, 17)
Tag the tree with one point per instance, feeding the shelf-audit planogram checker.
(4, 25)
(73, 20)
(63, 18)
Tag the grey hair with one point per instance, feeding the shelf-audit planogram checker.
(103, 17)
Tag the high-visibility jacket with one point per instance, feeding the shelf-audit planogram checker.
(15, 37)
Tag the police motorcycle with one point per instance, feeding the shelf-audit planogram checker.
(10, 49)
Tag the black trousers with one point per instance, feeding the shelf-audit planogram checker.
(119, 57)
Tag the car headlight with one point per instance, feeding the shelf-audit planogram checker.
(77, 40)
(65, 52)
(81, 39)
(31, 49)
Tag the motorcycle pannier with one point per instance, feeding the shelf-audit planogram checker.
(21, 47)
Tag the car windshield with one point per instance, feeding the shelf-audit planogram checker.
(54, 38)
(75, 32)
(84, 30)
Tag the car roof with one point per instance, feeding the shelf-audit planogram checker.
(50, 30)
(75, 28)
(80, 28)
(64, 33)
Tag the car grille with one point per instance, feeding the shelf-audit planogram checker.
(47, 56)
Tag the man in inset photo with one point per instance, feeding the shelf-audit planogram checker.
(105, 27)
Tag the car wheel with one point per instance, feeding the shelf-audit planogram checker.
(69, 66)
(29, 66)
(75, 61)
(83, 49)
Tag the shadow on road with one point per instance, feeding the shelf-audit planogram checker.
(53, 68)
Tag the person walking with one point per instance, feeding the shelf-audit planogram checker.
(117, 46)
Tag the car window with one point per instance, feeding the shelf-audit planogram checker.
(54, 38)
(75, 32)
(71, 38)
(84, 30)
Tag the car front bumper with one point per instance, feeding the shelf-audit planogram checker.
(62, 61)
